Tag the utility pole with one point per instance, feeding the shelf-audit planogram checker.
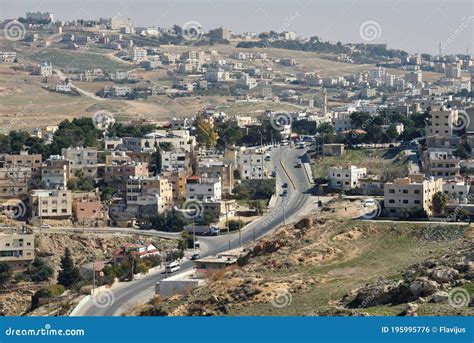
(227, 221)
(261, 150)
(284, 214)
(93, 275)
(240, 232)
(194, 236)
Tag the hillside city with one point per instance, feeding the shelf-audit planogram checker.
(180, 171)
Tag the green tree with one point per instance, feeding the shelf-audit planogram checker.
(257, 206)
(392, 133)
(156, 165)
(255, 189)
(229, 134)
(439, 202)
(5, 272)
(39, 271)
(69, 273)
(205, 133)
(325, 128)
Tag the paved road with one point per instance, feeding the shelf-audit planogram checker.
(110, 230)
(298, 202)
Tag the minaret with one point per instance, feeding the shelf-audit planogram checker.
(325, 102)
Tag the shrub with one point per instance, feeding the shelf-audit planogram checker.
(46, 292)
(234, 224)
(5, 272)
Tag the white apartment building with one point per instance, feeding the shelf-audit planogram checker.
(139, 54)
(250, 163)
(289, 35)
(40, 16)
(453, 71)
(118, 23)
(63, 88)
(44, 69)
(181, 140)
(247, 82)
(341, 121)
(7, 56)
(376, 73)
(181, 123)
(345, 178)
(203, 189)
(217, 75)
(443, 164)
(174, 160)
(411, 193)
(121, 90)
(55, 172)
(456, 189)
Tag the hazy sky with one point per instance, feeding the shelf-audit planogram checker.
(412, 25)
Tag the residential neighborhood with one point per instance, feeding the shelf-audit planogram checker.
(182, 171)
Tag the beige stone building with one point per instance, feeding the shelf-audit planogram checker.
(442, 122)
(17, 247)
(217, 169)
(143, 191)
(13, 188)
(51, 204)
(81, 160)
(177, 179)
(21, 160)
(411, 193)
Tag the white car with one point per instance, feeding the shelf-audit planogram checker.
(368, 202)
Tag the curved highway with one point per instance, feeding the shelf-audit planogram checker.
(298, 200)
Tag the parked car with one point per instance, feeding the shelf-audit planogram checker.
(285, 185)
(195, 257)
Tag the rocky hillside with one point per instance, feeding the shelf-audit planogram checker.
(15, 297)
(328, 266)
